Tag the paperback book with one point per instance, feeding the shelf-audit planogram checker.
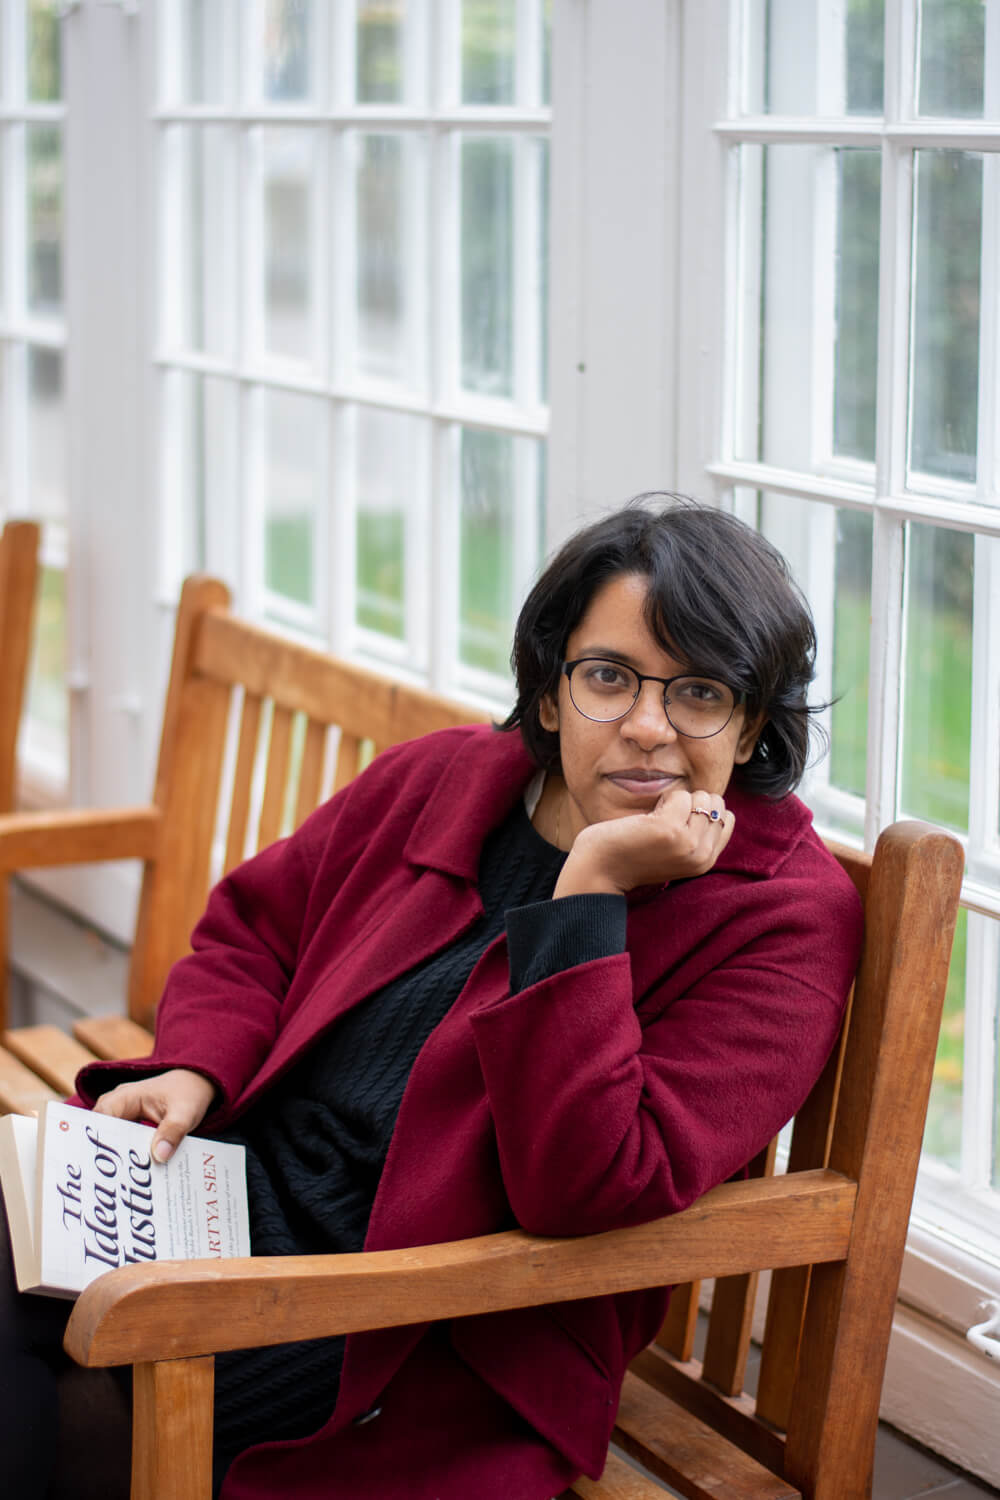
(83, 1196)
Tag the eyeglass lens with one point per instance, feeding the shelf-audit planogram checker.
(606, 690)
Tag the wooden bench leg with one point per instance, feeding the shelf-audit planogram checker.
(172, 1429)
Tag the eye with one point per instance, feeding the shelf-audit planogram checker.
(700, 690)
(607, 675)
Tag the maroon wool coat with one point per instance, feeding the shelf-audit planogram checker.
(606, 1095)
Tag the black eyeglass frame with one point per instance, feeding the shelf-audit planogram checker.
(739, 697)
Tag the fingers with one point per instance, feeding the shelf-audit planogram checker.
(175, 1102)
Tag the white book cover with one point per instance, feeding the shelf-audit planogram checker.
(101, 1202)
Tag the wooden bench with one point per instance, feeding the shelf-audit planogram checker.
(831, 1229)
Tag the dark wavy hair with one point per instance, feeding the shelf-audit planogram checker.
(721, 601)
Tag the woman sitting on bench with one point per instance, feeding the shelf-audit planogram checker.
(566, 974)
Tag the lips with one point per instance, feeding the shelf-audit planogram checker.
(642, 781)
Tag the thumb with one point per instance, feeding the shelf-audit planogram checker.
(169, 1133)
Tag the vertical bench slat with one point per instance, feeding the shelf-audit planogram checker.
(310, 771)
(276, 781)
(239, 809)
(731, 1319)
(348, 760)
(677, 1333)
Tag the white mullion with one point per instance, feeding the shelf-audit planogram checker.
(255, 454)
(744, 279)
(418, 555)
(321, 248)
(526, 228)
(342, 179)
(984, 790)
(988, 444)
(887, 632)
(446, 258)
(528, 53)
(342, 49)
(980, 1051)
(445, 528)
(418, 261)
(446, 85)
(418, 47)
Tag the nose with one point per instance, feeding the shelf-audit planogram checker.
(646, 723)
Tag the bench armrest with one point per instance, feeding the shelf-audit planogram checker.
(182, 1309)
(73, 836)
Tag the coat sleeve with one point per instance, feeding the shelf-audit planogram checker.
(612, 1109)
(221, 1008)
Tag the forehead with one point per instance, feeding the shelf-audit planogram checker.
(615, 622)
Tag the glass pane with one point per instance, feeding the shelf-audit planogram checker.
(43, 144)
(489, 46)
(198, 465)
(944, 375)
(388, 461)
(806, 386)
(381, 38)
(952, 50)
(546, 51)
(389, 243)
(543, 270)
(197, 274)
(201, 43)
(937, 683)
(47, 700)
(487, 277)
(808, 57)
(44, 81)
(859, 176)
(943, 1131)
(46, 434)
(287, 42)
(810, 534)
(289, 322)
(295, 491)
(852, 595)
(498, 473)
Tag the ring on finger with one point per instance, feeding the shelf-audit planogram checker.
(708, 812)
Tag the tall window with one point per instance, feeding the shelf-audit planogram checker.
(352, 289)
(862, 411)
(32, 341)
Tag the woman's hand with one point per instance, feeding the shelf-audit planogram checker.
(674, 841)
(176, 1101)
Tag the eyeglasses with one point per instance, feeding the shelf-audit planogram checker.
(604, 690)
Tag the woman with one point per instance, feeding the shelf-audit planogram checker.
(569, 978)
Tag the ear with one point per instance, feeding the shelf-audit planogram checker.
(548, 714)
(749, 735)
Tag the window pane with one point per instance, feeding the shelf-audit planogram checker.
(489, 38)
(381, 38)
(198, 467)
(44, 80)
(201, 43)
(294, 494)
(859, 175)
(952, 50)
(937, 684)
(809, 534)
(46, 434)
(487, 279)
(852, 615)
(197, 273)
(945, 336)
(808, 57)
(47, 701)
(388, 462)
(943, 1132)
(44, 220)
(809, 300)
(287, 41)
(389, 251)
(289, 322)
(501, 503)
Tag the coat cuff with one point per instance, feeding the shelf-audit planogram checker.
(547, 937)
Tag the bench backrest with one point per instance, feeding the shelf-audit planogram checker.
(257, 730)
